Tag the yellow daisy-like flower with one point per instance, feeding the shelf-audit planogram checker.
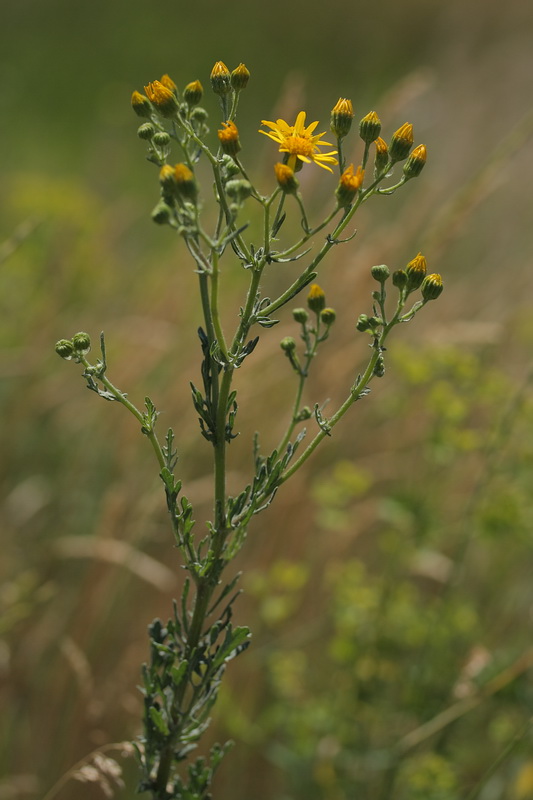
(299, 143)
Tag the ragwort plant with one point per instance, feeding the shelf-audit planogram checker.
(189, 654)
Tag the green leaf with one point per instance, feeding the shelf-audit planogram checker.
(159, 721)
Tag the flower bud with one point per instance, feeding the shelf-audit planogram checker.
(228, 137)
(141, 104)
(168, 83)
(328, 316)
(379, 368)
(349, 184)
(316, 299)
(382, 156)
(65, 349)
(240, 77)
(162, 98)
(239, 189)
(416, 272)
(161, 139)
(288, 345)
(341, 117)
(162, 213)
(431, 287)
(166, 177)
(193, 93)
(416, 162)
(300, 315)
(199, 115)
(401, 142)
(184, 182)
(81, 342)
(370, 127)
(363, 323)
(220, 79)
(399, 279)
(146, 131)
(285, 178)
(380, 273)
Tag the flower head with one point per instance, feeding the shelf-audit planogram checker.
(298, 142)
(349, 184)
(162, 98)
(228, 137)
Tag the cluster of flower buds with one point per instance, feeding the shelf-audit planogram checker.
(76, 348)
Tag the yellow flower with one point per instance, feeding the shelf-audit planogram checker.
(228, 137)
(350, 182)
(299, 143)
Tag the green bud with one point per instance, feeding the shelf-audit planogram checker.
(81, 342)
(240, 77)
(316, 299)
(416, 272)
(328, 316)
(192, 93)
(370, 127)
(239, 190)
(199, 114)
(162, 213)
(300, 315)
(220, 79)
(146, 131)
(399, 278)
(161, 139)
(288, 345)
(431, 287)
(416, 162)
(341, 117)
(141, 104)
(380, 273)
(363, 323)
(65, 349)
(401, 142)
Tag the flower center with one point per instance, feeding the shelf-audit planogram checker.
(299, 146)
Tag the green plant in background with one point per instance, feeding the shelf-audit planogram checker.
(189, 654)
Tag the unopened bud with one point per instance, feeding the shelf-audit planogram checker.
(146, 131)
(168, 83)
(379, 368)
(316, 299)
(238, 189)
(240, 77)
(328, 316)
(341, 117)
(162, 98)
(431, 287)
(288, 345)
(285, 178)
(141, 104)
(363, 323)
(399, 279)
(162, 213)
(220, 79)
(382, 156)
(380, 273)
(81, 342)
(401, 142)
(193, 93)
(65, 349)
(166, 177)
(228, 137)
(300, 315)
(161, 139)
(370, 127)
(184, 182)
(416, 162)
(416, 272)
(349, 184)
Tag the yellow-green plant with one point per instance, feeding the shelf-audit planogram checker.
(188, 654)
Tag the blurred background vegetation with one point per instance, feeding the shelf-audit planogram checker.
(389, 588)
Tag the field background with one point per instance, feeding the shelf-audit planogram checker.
(392, 577)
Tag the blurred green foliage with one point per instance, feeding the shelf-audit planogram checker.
(395, 580)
